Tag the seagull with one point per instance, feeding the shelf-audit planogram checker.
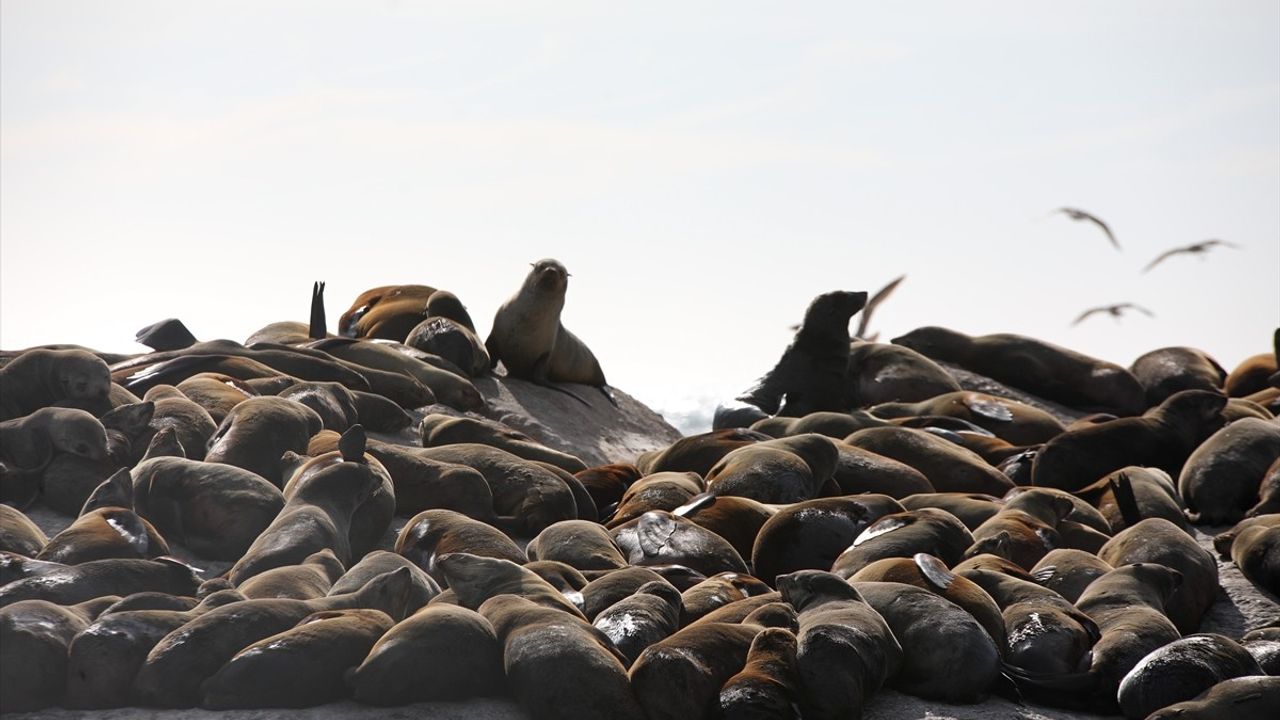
(1077, 214)
(875, 300)
(1195, 248)
(1116, 311)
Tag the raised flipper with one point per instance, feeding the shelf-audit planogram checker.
(318, 330)
(1122, 490)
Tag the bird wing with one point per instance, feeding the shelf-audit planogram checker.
(875, 300)
(1086, 314)
(1160, 258)
(1224, 243)
(1142, 310)
(1094, 219)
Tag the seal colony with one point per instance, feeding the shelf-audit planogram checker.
(858, 521)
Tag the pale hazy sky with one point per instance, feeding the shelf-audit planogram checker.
(702, 169)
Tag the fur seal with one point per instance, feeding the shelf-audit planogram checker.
(697, 453)
(785, 470)
(846, 649)
(582, 544)
(929, 530)
(1021, 537)
(1169, 370)
(438, 429)
(310, 579)
(442, 652)
(18, 534)
(1182, 670)
(1069, 572)
(380, 562)
(660, 538)
(29, 442)
(1268, 492)
(697, 660)
(40, 378)
(881, 372)
(1159, 541)
(104, 658)
(667, 490)
(835, 425)
(635, 622)
(473, 579)
(446, 383)
(1254, 546)
(388, 311)
(1009, 420)
(1163, 437)
(717, 591)
(736, 519)
(259, 430)
(529, 496)
(432, 534)
(1132, 493)
(607, 483)
(611, 587)
(372, 515)
(188, 420)
(34, 635)
(1049, 371)
(972, 509)
(948, 467)
(558, 666)
(109, 532)
(1245, 698)
(180, 663)
(530, 340)
(1221, 478)
(216, 393)
(810, 375)
(214, 510)
(452, 341)
(946, 654)
(811, 535)
(768, 685)
(117, 576)
(300, 667)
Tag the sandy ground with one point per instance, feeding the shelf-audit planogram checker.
(598, 433)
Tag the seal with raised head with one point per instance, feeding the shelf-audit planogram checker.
(810, 375)
(530, 340)
(767, 685)
(40, 378)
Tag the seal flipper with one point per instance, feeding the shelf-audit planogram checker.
(115, 491)
(1122, 490)
(318, 329)
(352, 444)
(604, 390)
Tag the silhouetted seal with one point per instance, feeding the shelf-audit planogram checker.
(1166, 371)
(881, 372)
(810, 375)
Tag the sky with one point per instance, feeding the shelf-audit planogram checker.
(702, 169)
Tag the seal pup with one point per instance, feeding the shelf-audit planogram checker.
(810, 375)
(40, 378)
(533, 344)
(768, 685)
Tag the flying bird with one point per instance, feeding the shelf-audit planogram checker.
(1077, 214)
(1195, 249)
(1116, 311)
(875, 300)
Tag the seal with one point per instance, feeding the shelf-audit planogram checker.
(666, 490)
(40, 378)
(1069, 572)
(736, 519)
(1181, 671)
(531, 342)
(72, 584)
(372, 515)
(421, 483)
(528, 496)
(1128, 495)
(34, 635)
(1163, 437)
(180, 663)
(445, 381)
(660, 538)
(473, 579)
(972, 509)
(698, 659)
(785, 470)
(216, 393)
(29, 443)
(607, 483)
(846, 650)
(860, 471)
(717, 591)
(946, 654)
(697, 453)
(104, 658)
(559, 666)
(1159, 541)
(635, 622)
(1246, 698)
(1014, 422)
(259, 430)
(812, 534)
(310, 579)
(18, 534)
(1222, 478)
(452, 341)
(835, 425)
(811, 373)
(1049, 371)
(1166, 371)
(212, 509)
(437, 429)
(582, 544)
(929, 530)
(948, 467)
(432, 534)
(300, 667)
(388, 311)
(767, 685)
(380, 562)
(442, 652)
(1254, 546)
(882, 372)
(109, 532)
(188, 420)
